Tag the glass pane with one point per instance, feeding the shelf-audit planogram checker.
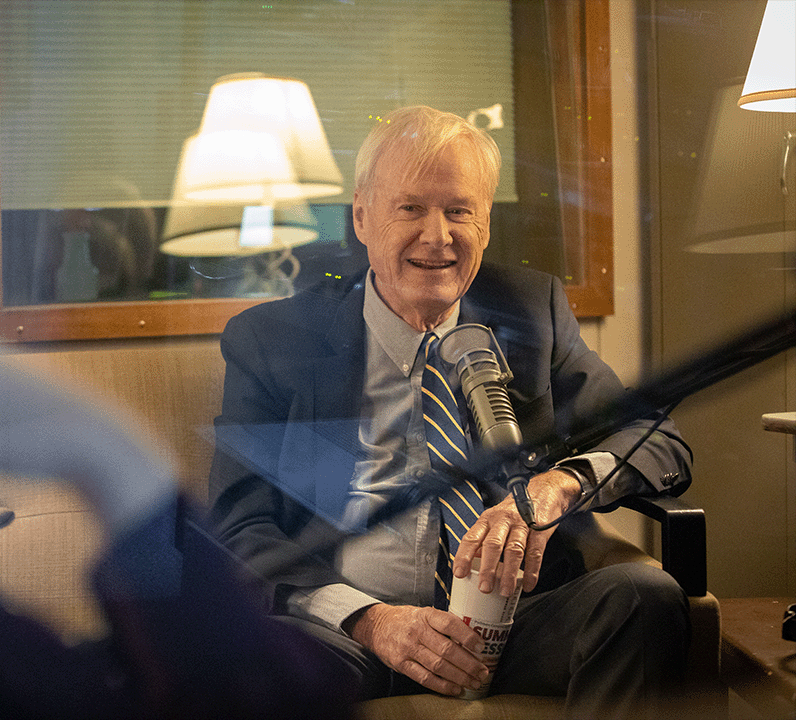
(97, 100)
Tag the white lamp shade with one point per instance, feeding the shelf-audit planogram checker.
(771, 80)
(282, 109)
(741, 203)
(235, 230)
(234, 166)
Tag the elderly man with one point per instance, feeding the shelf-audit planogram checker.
(325, 387)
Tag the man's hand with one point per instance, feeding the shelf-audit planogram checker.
(432, 647)
(500, 533)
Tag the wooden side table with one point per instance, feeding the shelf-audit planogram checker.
(780, 422)
(755, 661)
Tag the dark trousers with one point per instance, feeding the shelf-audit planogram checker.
(613, 641)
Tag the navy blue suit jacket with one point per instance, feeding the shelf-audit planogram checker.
(287, 435)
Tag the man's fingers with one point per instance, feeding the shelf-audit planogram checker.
(447, 651)
(499, 534)
(464, 671)
(423, 676)
(442, 659)
(433, 647)
(469, 547)
(513, 555)
(450, 626)
(491, 553)
(534, 552)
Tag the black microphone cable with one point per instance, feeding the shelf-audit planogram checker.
(600, 485)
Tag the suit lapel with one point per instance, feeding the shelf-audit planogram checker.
(322, 444)
(529, 393)
(338, 378)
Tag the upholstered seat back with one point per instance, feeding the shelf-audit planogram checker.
(172, 391)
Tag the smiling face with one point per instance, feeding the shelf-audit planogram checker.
(425, 233)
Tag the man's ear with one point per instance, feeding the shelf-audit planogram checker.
(358, 208)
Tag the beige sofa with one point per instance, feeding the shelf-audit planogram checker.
(174, 388)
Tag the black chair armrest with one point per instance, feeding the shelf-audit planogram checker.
(683, 539)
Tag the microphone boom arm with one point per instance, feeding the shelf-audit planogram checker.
(749, 348)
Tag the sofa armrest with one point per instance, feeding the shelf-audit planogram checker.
(683, 539)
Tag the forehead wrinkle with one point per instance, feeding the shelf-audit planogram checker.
(420, 197)
(408, 162)
(400, 169)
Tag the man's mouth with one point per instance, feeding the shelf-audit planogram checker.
(432, 264)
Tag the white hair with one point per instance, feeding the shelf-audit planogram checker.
(423, 133)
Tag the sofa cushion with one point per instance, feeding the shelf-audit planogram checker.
(172, 388)
(45, 556)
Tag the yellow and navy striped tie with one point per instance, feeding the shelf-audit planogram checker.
(447, 447)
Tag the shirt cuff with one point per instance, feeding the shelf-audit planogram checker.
(328, 605)
(589, 469)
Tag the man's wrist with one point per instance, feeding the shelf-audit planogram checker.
(570, 485)
(583, 481)
(359, 625)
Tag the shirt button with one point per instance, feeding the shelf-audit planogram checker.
(430, 558)
(406, 368)
(419, 474)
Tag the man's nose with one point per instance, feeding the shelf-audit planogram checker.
(436, 228)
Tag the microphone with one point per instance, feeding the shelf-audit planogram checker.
(484, 373)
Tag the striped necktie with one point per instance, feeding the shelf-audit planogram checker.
(447, 447)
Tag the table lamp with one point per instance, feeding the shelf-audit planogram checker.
(771, 87)
(771, 79)
(747, 192)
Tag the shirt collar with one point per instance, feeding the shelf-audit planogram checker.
(397, 338)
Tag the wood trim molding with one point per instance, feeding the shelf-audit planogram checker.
(579, 30)
(92, 321)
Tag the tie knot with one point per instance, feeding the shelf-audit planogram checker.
(430, 345)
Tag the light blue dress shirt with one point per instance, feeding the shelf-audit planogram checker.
(395, 561)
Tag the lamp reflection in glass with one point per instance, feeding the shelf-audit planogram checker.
(242, 182)
(746, 200)
(244, 250)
